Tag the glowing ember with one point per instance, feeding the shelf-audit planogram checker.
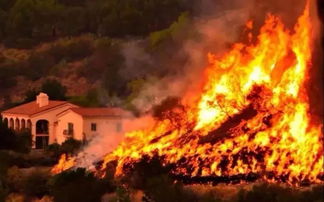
(251, 117)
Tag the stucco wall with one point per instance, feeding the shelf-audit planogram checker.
(105, 126)
(62, 124)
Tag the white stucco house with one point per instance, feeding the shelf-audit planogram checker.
(52, 121)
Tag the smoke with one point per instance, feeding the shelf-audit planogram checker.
(185, 58)
(137, 61)
(105, 143)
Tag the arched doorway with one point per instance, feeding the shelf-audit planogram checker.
(23, 124)
(17, 124)
(42, 135)
(11, 123)
(5, 122)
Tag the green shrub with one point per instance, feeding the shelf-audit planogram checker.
(71, 49)
(89, 100)
(70, 146)
(38, 65)
(23, 141)
(77, 185)
(53, 150)
(174, 32)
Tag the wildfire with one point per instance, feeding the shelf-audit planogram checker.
(63, 164)
(251, 116)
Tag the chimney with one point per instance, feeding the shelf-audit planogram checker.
(42, 99)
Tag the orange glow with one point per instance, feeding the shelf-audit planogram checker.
(252, 113)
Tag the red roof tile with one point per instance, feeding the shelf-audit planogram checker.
(103, 111)
(33, 108)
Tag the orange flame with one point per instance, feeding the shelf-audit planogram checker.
(251, 117)
(64, 163)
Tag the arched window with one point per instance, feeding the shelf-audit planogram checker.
(42, 127)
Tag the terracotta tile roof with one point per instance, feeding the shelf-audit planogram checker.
(103, 111)
(31, 108)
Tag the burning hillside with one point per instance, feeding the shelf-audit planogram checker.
(251, 116)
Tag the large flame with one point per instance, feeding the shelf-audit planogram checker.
(251, 116)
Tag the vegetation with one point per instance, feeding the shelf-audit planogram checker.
(69, 146)
(49, 40)
(274, 193)
(35, 184)
(68, 186)
(17, 141)
(25, 23)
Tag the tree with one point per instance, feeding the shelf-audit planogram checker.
(30, 95)
(30, 21)
(54, 89)
(20, 18)
(174, 32)
(72, 21)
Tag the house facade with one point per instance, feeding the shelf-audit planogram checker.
(52, 121)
